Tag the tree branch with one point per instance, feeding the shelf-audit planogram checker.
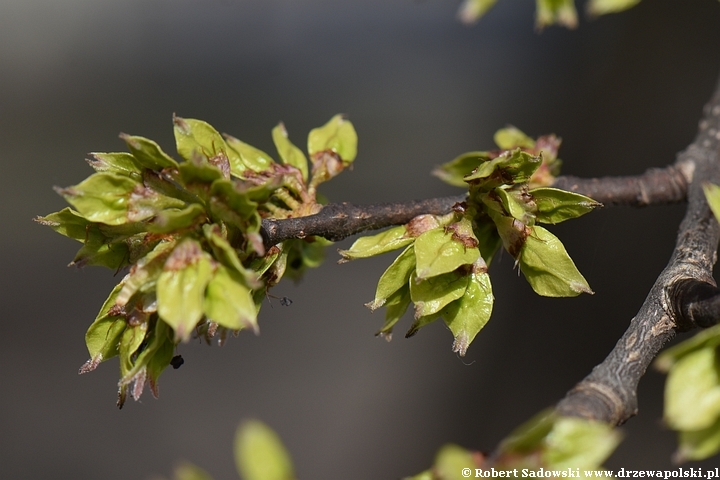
(609, 393)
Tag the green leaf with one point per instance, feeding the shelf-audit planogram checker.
(196, 139)
(188, 471)
(438, 252)
(145, 272)
(229, 303)
(555, 205)
(551, 12)
(120, 163)
(181, 287)
(579, 443)
(252, 158)
(130, 341)
(148, 153)
(394, 278)
(433, 294)
(260, 455)
(471, 10)
(601, 7)
(511, 137)
(102, 197)
(511, 167)
(175, 220)
(488, 240)
(455, 171)
(227, 255)
(692, 391)
(103, 335)
(698, 444)
(289, 153)
(421, 322)
(712, 194)
(710, 337)
(395, 307)
(548, 267)
(371, 245)
(529, 436)
(468, 315)
(338, 136)
(451, 460)
(516, 205)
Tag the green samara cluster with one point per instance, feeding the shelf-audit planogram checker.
(189, 233)
(443, 268)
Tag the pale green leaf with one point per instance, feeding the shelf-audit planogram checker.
(196, 139)
(551, 12)
(433, 294)
(530, 435)
(289, 153)
(511, 137)
(181, 287)
(229, 303)
(548, 267)
(227, 255)
(469, 314)
(395, 307)
(147, 153)
(175, 220)
(455, 171)
(450, 462)
(555, 205)
(511, 167)
(579, 443)
(338, 136)
(121, 163)
(601, 7)
(708, 338)
(692, 391)
(698, 444)
(145, 272)
(371, 245)
(712, 194)
(394, 278)
(438, 252)
(188, 471)
(103, 335)
(260, 455)
(102, 197)
(252, 158)
(514, 203)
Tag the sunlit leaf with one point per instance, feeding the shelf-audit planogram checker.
(120, 163)
(555, 205)
(371, 245)
(394, 278)
(229, 303)
(338, 136)
(548, 267)
(708, 338)
(181, 287)
(432, 294)
(511, 137)
(438, 252)
(455, 171)
(148, 153)
(698, 444)
(395, 307)
(579, 443)
(551, 12)
(601, 7)
(252, 158)
(289, 153)
(712, 194)
(102, 197)
(468, 315)
(196, 139)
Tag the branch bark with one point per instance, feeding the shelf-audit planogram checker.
(609, 393)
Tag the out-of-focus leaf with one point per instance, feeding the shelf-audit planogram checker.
(252, 158)
(551, 12)
(188, 471)
(181, 287)
(121, 163)
(555, 206)
(229, 303)
(548, 267)
(528, 436)
(159, 362)
(338, 136)
(438, 252)
(394, 278)
(371, 245)
(451, 460)
(712, 194)
(102, 197)
(289, 153)
(698, 444)
(148, 153)
(468, 315)
(227, 255)
(471, 10)
(176, 219)
(260, 455)
(708, 338)
(511, 137)
(601, 7)
(511, 167)
(433, 294)
(692, 391)
(455, 171)
(579, 443)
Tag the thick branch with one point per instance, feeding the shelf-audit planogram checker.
(609, 393)
(654, 187)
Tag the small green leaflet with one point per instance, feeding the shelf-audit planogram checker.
(555, 205)
(466, 316)
(395, 277)
(148, 153)
(230, 303)
(369, 246)
(433, 294)
(260, 454)
(602, 7)
(438, 252)
(289, 153)
(338, 136)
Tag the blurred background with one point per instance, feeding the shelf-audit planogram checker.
(625, 92)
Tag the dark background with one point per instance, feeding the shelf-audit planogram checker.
(625, 92)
